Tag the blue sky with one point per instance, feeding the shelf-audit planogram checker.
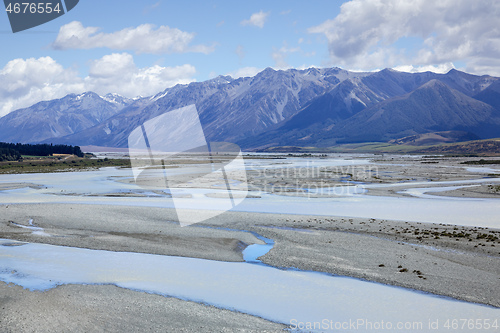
(142, 47)
(214, 23)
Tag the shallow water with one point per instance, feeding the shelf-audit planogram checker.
(424, 192)
(274, 294)
(482, 170)
(251, 287)
(252, 252)
(353, 201)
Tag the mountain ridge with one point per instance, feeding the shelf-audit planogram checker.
(70, 114)
(314, 106)
(229, 109)
(370, 124)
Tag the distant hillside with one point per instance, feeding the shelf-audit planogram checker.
(490, 95)
(301, 108)
(481, 147)
(432, 107)
(59, 117)
(361, 114)
(229, 109)
(434, 138)
(489, 147)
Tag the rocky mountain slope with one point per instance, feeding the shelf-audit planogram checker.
(60, 117)
(311, 107)
(390, 105)
(229, 109)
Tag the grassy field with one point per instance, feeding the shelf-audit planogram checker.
(44, 164)
(490, 147)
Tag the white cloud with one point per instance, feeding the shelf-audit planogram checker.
(304, 66)
(118, 73)
(257, 19)
(442, 68)
(365, 33)
(26, 82)
(145, 38)
(29, 81)
(245, 72)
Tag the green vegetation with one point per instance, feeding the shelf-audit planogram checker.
(15, 151)
(482, 162)
(7, 154)
(489, 147)
(366, 147)
(55, 164)
(494, 188)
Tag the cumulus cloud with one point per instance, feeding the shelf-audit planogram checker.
(442, 68)
(257, 19)
(118, 73)
(29, 81)
(145, 38)
(366, 32)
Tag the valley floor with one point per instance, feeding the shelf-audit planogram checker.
(456, 261)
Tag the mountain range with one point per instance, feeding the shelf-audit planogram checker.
(311, 107)
(60, 117)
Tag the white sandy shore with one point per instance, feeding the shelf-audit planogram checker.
(352, 247)
(460, 262)
(106, 308)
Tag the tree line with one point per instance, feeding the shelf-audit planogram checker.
(7, 154)
(14, 151)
